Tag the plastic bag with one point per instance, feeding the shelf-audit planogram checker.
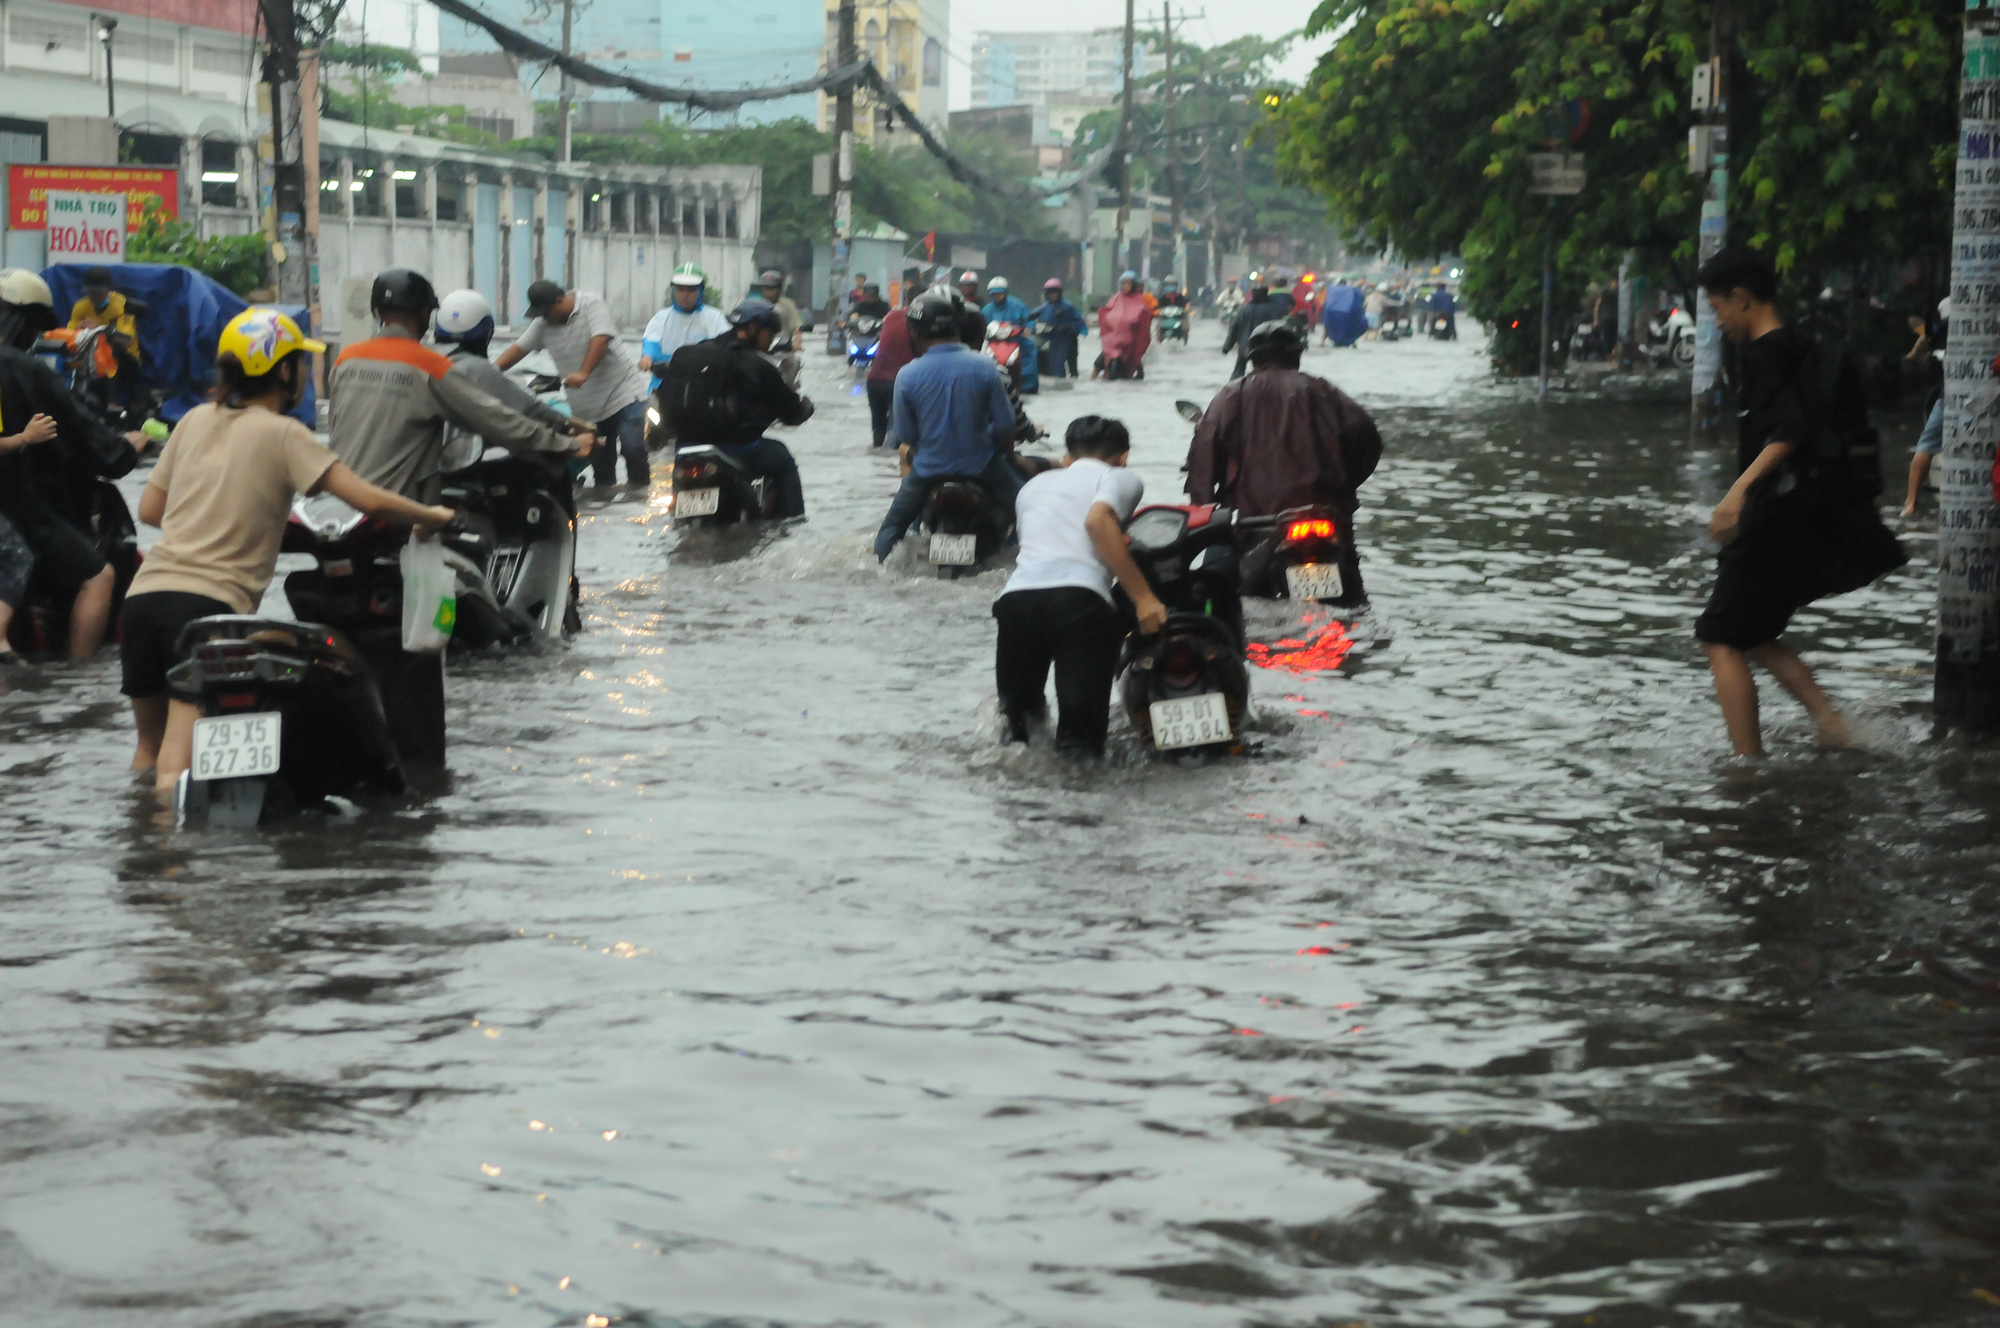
(430, 596)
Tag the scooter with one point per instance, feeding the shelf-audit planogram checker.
(1672, 337)
(1173, 324)
(1187, 687)
(1443, 327)
(965, 525)
(1003, 344)
(291, 710)
(864, 333)
(712, 488)
(42, 625)
(512, 550)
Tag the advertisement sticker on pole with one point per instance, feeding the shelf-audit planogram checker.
(86, 227)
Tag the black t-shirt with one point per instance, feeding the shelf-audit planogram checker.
(1773, 405)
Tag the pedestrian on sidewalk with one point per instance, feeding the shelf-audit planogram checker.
(1797, 525)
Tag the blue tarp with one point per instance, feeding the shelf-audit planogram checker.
(185, 314)
(1343, 317)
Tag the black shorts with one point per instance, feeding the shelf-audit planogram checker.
(153, 623)
(65, 558)
(1750, 606)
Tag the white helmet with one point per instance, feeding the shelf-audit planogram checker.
(970, 276)
(21, 286)
(998, 283)
(463, 315)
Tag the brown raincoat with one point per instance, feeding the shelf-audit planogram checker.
(1281, 439)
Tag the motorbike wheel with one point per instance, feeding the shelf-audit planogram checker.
(1684, 352)
(572, 622)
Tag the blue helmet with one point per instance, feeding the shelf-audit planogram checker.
(756, 311)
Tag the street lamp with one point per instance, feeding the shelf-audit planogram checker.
(107, 26)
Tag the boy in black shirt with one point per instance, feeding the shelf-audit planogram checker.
(1790, 534)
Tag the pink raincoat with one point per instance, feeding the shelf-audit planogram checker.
(1125, 326)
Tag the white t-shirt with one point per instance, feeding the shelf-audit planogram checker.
(1049, 515)
(616, 381)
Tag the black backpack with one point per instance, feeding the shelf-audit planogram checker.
(704, 392)
(1845, 460)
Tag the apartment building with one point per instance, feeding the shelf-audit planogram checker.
(908, 41)
(1052, 68)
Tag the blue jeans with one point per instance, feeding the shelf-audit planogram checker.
(1000, 479)
(773, 460)
(624, 432)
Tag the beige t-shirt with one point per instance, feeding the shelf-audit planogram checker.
(229, 476)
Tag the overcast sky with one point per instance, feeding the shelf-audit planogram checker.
(1227, 19)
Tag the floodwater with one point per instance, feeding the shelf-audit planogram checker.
(737, 977)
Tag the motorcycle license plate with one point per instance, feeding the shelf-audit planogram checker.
(237, 746)
(1190, 721)
(954, 550)
(698, 502)
(1313, 581)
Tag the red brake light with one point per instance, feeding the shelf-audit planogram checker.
(236, 700)
(1306, 530)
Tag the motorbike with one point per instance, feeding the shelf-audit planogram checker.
(97, 371)
(42, 624)
(1672, 337)
(713, 488)
(864, 332)
(512, 550)
(965, 525)
(292, 718)
(1003, 343)
(1297, 554)
(1173, 324)
(1187, 688)
(1443, 327)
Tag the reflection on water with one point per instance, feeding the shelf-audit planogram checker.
(737, 976)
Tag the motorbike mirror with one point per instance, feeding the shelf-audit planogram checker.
(1189, 411)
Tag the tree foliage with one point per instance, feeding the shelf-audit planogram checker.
(1418, 121)
(236, 261)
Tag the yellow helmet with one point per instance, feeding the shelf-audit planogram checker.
(259, 337)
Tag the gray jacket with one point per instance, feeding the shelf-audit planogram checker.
(496, 384)
(391, 398)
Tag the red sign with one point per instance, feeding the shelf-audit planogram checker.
(28, 187)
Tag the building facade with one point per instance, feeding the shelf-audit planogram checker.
(185, 97)
(1053, 68)
(908, 40)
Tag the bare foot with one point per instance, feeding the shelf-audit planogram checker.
(1833, 730)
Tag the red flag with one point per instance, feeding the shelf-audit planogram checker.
(930, 247)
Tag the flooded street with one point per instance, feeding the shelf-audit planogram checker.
(737, 977)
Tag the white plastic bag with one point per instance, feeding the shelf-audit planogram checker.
(430, 596)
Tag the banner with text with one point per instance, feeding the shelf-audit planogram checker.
(28, 187)
(85, 228)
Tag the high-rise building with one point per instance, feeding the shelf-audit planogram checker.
(679, 43)
(1052, 68)
(908, 40)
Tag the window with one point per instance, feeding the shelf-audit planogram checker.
(28, 33)
(232, 62)
(152, 50)
(137, 148)
(933, 63)
(221, 185)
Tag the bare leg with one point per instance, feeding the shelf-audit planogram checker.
(1920, 465)
(6, 620)
(90, 616)
(149, 715)
(1793, 675)
(1736, 691)
(176, 745)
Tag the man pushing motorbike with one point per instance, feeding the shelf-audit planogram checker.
(1281, 439)
(391, 398)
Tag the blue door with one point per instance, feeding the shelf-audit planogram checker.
(557, 247)
(521, 260)
(486, 244)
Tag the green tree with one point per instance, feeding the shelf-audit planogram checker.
(1418, 121)
(236, 261)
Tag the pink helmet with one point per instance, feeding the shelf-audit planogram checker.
(1053, 283)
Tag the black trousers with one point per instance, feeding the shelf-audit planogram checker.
(1078, 632)
(881, 396)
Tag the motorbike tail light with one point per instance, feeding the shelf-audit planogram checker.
(1300, 531)
(1181, 663)
(236, 700)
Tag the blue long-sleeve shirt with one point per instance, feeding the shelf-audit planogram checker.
(1063, 318)
(951, 409)
(1009, 310)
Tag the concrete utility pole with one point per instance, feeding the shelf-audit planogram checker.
(566, 98)
(1173, 150)
(1125, 150)
(106, 27)
(285, 208)
(843, 180)
(1967, 687)
(1712, 142)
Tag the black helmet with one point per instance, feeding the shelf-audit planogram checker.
(934, 314)
(402, 290)
(1276, 339)
(755, 312)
